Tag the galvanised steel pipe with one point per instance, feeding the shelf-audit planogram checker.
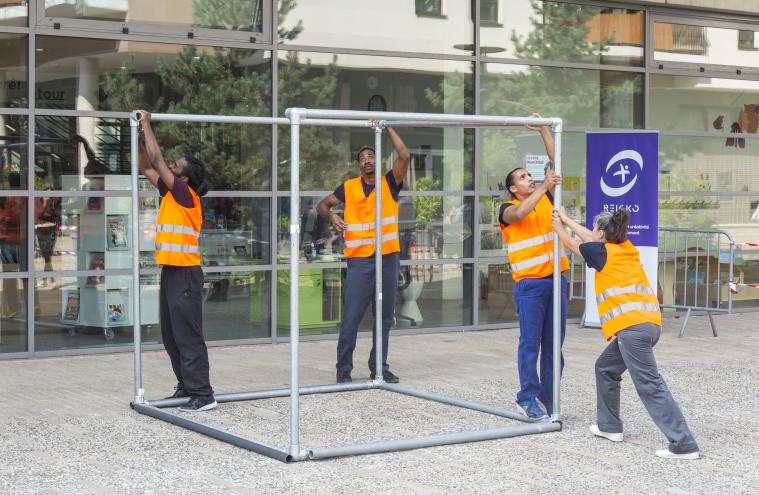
(434, 118)
(294, 278)
(217, 433)
(453, 401)
(136, 330)
(557, 297)
(431, 441)
(379, 375)
(271, 394)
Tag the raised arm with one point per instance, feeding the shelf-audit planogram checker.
(144, 163)
(566, 239)
(153, 152)
(400, 167)
(583, 233)
(324, 208)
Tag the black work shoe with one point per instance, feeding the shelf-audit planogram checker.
(344, 377)
(388, 376)
(198, 404)
(179, 392)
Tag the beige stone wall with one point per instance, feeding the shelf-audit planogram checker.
(738, 6)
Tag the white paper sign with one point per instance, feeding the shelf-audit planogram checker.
(536, 165)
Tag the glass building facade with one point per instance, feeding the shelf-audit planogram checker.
(71, 71)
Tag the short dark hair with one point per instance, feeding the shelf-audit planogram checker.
(195, 171)
(510, 181)
(362, 149)
(613, 225)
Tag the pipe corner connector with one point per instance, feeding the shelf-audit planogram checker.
(134, 118)
(558, 124)
(294, 114)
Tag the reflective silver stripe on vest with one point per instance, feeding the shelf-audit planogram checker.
(359, 242)
(176, 248)
(529, 263)
(626, 308)
(616, 291)
(532, 241)
(370, 240)
(176, 229)
(359, 227)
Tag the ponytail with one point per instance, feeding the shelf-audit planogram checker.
(613, 225)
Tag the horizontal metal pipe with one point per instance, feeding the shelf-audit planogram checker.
(218, 119)
(429, 117)
(336, 122)
(453, 401)
(271, 394)
(212, 432)
(431, 441)
(414, 123)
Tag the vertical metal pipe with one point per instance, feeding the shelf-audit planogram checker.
(686, 238)
(698, 272)
(378, 371)
(294, 278)
(136, 332)
(557, 299)
(730, 275)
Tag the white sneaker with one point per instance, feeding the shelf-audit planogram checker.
(666, 454)
(614, 437)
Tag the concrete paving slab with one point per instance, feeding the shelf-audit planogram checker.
(66, 427)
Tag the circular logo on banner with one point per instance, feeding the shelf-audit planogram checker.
(621, 172)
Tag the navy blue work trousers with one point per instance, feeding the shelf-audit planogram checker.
(358, 292)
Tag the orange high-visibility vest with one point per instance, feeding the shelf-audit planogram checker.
(359, 219)
(530, 242)
(177, 232)
(623, 293)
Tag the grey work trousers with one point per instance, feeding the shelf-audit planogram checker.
(632, 350)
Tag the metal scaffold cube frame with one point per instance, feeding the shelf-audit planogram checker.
(295, 118)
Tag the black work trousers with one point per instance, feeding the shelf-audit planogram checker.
(181, 310)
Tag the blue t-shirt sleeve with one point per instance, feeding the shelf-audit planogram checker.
(500, 214)
(340, 193)
(594, 254)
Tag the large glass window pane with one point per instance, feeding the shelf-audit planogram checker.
(84, 233)
(237, 305)
(497, 304)
(428, 296)
(504, 150)
(424, 26)
(86, 153)
(709, 182)
(705, 45)
(75, 313)
(430, 227)
(441, 158)
(13, 315)
(93, 74)
(13, 160)
(13, 233)
(686, 103)
(531, 29)
(233, 15)
(14, 13)
(13, 69)
(235, 231)
(583, 98)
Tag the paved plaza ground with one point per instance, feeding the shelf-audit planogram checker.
(66, 427)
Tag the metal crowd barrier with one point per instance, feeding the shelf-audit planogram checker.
(695, 269)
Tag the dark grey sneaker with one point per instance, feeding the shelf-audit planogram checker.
(388, 376)
(198, 404)
(179, 392)
(343, 377)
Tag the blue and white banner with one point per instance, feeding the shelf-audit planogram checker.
(622, 171)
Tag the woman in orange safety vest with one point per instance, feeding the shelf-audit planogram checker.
(630, 319)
